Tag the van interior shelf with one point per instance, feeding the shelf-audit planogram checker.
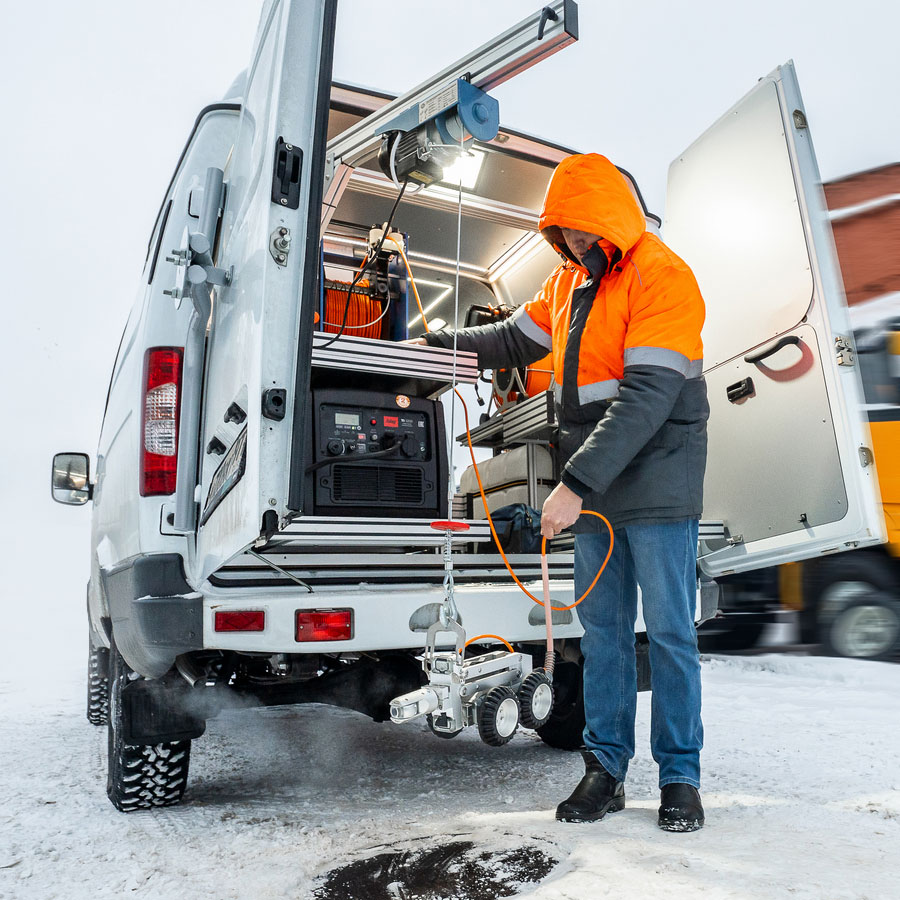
(373, 364)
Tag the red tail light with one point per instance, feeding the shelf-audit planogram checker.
(241, 620)
(324, 624)
(160, 407)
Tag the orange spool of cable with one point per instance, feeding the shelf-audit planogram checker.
(364, 315)
(539, 376)
(511, 385)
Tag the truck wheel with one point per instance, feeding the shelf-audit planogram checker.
(141, 776)
(565, 727)
(98, 685)
(866, 628)
(832, 584)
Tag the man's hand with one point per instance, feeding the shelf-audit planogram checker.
(418, 340)
(560, 510)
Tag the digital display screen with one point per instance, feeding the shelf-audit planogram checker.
(345, 418)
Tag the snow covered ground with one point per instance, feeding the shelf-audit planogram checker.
(801, 787)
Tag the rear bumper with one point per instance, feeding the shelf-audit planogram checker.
(385, 618)
(155, 614)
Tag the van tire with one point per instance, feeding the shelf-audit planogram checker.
(140, 776)
(98, 685)
(564, 730)
(838, 580)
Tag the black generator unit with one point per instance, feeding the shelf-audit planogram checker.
(377, 454)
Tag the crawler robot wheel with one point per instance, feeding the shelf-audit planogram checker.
(536, 699)
(498, 717)
(446, 735)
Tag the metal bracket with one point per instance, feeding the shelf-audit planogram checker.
(844, 351)
(514, 51)
(280, 245)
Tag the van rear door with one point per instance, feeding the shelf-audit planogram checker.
(268, 240)
(790, 469)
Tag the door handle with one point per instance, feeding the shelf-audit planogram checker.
(766, 352)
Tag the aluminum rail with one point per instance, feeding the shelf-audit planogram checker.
(542, 34)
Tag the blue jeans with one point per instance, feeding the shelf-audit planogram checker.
(661, 559)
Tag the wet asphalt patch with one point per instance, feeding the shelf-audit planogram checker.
(455, 870)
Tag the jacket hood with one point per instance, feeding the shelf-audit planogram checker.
(588, 193)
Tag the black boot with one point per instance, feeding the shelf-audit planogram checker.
(597, 794)
(680, 808)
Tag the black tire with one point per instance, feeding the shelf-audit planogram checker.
(446, 735)
(733, 636)
(534, 694)
(141, 776)
(98, 685)
(496, 715)
(866, 628)
(832, 583)
(564, 730)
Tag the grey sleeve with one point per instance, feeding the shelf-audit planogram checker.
(498, 345)
(646, 397)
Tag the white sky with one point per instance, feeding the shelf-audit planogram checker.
(100, 97)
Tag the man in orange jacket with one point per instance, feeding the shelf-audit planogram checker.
(622, 316)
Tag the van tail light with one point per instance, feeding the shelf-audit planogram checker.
(324, 624)
(161, 405)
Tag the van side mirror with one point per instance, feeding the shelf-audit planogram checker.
(70, 479)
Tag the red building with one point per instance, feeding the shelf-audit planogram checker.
(865, 217)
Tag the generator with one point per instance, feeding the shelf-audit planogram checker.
(377, 453)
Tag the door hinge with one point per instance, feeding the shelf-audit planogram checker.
(844, 350)
(866, 457)
(800, 119)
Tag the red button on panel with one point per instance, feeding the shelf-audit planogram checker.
(391, 422)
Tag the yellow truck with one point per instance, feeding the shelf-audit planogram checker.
(850, 602)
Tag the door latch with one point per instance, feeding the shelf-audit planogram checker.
(274, 402)
(740, 389)
(286, 176)
(280, 245)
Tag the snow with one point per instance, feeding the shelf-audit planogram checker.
(800, 784)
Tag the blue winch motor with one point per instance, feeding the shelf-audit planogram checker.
(424, 139)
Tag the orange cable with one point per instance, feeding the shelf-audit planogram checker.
(412, 281)
(588, 512)
(495, 636)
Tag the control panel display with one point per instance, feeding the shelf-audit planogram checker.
(364, 430)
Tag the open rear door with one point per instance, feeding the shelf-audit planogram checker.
(790, 470)
(268, 239)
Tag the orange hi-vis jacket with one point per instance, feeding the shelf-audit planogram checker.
(623, 329)
(647, 308)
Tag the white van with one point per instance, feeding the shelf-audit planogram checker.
(272, 458)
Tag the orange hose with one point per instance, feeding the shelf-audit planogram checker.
(412, 280)
(584, 512)
(496, 637)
